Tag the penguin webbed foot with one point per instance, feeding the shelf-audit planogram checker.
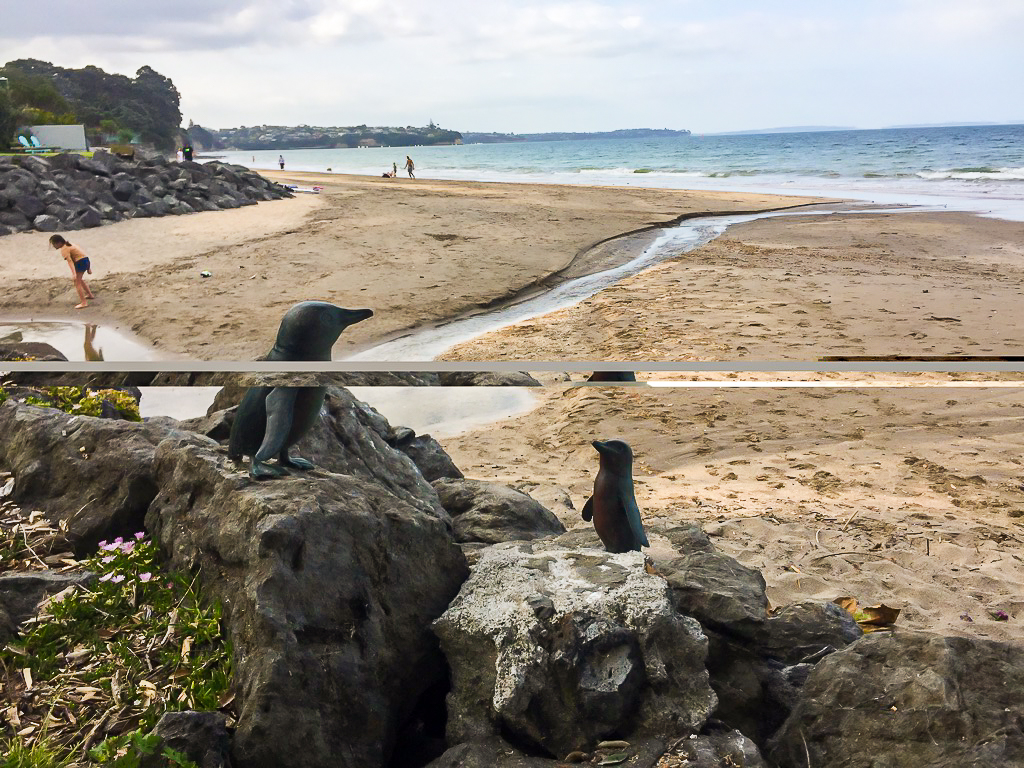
(296, 462)
(261, 471)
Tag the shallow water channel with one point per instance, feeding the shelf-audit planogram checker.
(430, 342)
(78, 341)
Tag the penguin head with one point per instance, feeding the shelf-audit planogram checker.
(615, 454)
(310, 328)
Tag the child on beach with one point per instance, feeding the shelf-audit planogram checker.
(79, 263)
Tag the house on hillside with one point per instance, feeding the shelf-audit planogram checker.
(67, 137)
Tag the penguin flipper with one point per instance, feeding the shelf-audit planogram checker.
(249, 426)
(588, 509)
(636, 525)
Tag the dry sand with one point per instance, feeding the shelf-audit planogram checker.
(906, 496)
(416, 252)
(798, 288)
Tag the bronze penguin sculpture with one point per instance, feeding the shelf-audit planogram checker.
(271, 419)
(613, 506)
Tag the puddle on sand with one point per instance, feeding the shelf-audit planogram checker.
(437, 411)
(79, 342)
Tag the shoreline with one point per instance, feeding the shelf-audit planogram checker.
(358, 243)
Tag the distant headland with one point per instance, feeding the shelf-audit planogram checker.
(314, 137)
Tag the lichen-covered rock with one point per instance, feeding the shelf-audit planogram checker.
(909, 700)
(491, 513)
(559, 649)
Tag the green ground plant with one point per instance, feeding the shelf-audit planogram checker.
(87, 402)
(112, 658)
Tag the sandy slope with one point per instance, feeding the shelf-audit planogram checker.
(905, 496)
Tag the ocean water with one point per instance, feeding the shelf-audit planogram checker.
(975, 168)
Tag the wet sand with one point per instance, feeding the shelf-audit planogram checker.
(416, 252)
(904, 496)
(799, 288)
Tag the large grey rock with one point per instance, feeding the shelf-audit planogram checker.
(94, 475)
(558, 649)
(910, 700)
(329, 583)
(491, 513)
(29, 206)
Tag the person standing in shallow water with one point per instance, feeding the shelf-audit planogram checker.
(80, 265)
(280, 161)
(410, 166)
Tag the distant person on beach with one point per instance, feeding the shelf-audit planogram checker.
(79, 263)
(180, 156)
(187, 152)
(394, 170)
(280, 161)
(409, 166)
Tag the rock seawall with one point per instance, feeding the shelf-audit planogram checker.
(69, 191)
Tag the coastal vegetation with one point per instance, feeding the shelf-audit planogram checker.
(144, 108)
(311, 137)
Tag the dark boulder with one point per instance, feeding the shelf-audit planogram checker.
(491, 513)
(21, 592)
(201, 736)
(94, 475)
(908, 699)
(329, 583)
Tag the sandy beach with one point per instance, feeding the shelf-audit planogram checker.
(799, 288)
(416, 252)
(906, 496)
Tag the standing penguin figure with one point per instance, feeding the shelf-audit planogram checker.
(272, 419)
(613, 505)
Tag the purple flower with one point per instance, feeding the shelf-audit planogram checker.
(117, 579)
(127, 547)
(119, 540)
(108, 559)
(106, 577)
(103, 544)
(108, 547)
(140, 535)
(145, 576)
(1000, 615)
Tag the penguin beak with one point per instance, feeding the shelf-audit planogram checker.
(353, 316)
(601, 447)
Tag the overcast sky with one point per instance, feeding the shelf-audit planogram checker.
(526, 66)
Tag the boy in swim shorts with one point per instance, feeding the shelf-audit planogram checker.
(79, 263)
